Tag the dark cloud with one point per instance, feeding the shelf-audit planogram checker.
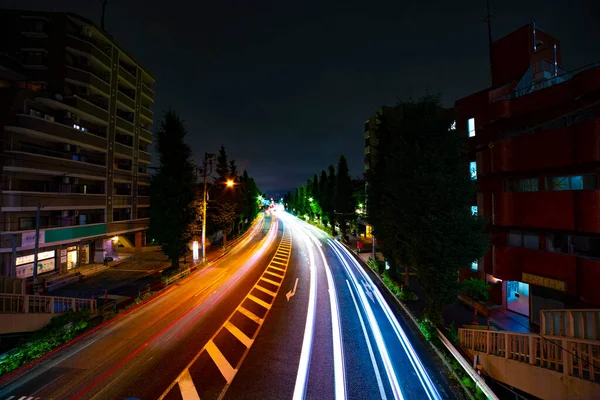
(287, 86)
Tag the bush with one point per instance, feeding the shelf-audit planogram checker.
(61, 329)
(452, 333)
(428, 329)
(407, 294)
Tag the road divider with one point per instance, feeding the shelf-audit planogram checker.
(213, 369)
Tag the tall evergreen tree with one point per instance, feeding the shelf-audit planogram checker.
(173, 191)
(343, 201)
(323, 197)
(420, 194)
(222, 168)
(330, 198)
(233, 171)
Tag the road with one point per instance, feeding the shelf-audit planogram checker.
(288, 314)
(138, 354)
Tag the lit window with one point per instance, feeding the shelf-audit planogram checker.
(473, 168)
(474, 210)
(475, 265)
(76, 126)
(529, 185)
(471, 127)
(452, 126)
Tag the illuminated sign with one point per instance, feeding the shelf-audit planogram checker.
(41, 256)
(195, 249)
(544, 282)
(25, 271)
(28, 238)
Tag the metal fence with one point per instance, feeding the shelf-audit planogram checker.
(34, 304)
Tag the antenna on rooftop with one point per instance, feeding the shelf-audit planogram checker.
(488, 20)
(103, 12)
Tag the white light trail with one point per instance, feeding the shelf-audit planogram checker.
(336, 329)
(385, 356)
(309, 330)
(426, 382)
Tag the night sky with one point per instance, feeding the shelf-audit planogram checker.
(286, 86)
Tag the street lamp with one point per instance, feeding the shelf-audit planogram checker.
(230, 183)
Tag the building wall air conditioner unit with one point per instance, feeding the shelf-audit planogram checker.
(66, 180)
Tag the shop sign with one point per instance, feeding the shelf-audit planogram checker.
(544, 282)
(72, 248)
(63, 260)
(41, 256)
(25, 271)
(63, 252)
(28, 238)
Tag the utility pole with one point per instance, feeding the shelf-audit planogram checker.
(103, 12)
(13, 258)
(36, 249)
(208, 160)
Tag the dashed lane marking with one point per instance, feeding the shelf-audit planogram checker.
(220, 359)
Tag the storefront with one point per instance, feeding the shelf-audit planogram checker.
(517, 297)
(72, 257)
(46, 262)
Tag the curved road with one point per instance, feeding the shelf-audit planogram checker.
(288, 314)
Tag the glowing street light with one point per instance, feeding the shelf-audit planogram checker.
(310, 199)
(230, 183)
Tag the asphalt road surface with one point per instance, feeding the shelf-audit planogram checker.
(288, 314)
(139, 354)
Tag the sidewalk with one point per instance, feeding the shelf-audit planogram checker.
(458, 313)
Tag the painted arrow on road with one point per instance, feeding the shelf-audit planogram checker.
(368, 290)
(289, 294)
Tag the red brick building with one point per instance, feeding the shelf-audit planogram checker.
(535, 142)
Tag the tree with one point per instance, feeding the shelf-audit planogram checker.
(420, 195)
(329, 205)
(322, 198)
(224, 217)
(344, 204)
(222, 167)
(173, 194)
(233, 171)
(476, 290)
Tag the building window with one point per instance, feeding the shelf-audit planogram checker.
(528, 240)
(523, 185)
(35, 113)
(471, 124)
(575, 182)
(473, 168)
(558, 243)
(475, 266)
(474, 210)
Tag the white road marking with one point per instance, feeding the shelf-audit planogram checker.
(241, 336)
(187, 387)
(226, 369)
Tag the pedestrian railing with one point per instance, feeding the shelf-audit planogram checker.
(571, 356)
(581, 324)
(34, 304)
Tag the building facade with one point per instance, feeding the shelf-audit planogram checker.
(534, 138)
(75, 110)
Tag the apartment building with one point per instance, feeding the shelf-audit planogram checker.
(534, 138)
(75, 109)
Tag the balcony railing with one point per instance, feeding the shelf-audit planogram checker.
(34, 304)
(573, 357)
(145, 112)
(145, 135)
(580, 324)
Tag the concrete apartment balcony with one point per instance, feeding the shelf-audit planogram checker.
(144, 157)
(88, 47)
(147, 114)
(122, 201)
(119, 227)
(143, 200)
(123, 176)
(82, 105)
(143, 179)
(127, 76)
(569, 368)
(124, 125)
(67, 201)
(42, 164)
(125, 100)
(87, 78)
(124, 150)
(49, 130)
(146, 91)
(145, 135)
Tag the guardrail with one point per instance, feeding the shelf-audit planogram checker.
(581, 324)
(34, 304)
(579, 358)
